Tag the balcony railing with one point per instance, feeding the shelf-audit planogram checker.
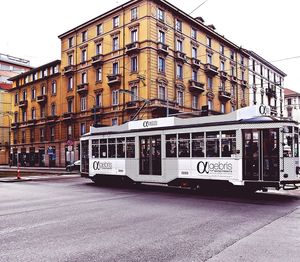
(180, 56)
(82, 88)
(23, 103)
(97, 60)
(15, 125)
(244, 83)
(133, 48)
(224, 94)
(195, 86)
(42, 99)
(211, 69)
(68, 115)
(223, 74)
(52, 118)
(163, 48)
(233, 79)
(114, 80)
(70, 69)
(196, 63)
(31, 122)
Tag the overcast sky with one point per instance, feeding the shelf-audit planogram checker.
(29, 29)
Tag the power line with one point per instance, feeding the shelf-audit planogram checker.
(284, 59)
(198, 7)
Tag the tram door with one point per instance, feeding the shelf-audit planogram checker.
(150, 155)
(261, 154)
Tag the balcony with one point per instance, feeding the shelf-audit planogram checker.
(68, 116)
(163, 48)
(23, 103)
(223, 74)
(82, 88)
(113, 80)
(69, 70)
(97, 60)
(15, 125)
(31, 122)
(180, 56)
(270, 92)
(97, 109)
(224, 95)
(196, 63)
(244, 83)
(210, 69)
(41, 99)
(133, 48)
(52, 118)
(233, 79)
(195, 86)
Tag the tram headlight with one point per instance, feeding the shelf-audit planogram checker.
(285, 175)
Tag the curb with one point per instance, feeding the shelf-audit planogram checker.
(37, 178)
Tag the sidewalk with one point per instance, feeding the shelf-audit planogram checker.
(277, 241)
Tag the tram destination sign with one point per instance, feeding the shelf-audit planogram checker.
(152, 123)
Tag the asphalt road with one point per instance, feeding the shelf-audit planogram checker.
(74, 220)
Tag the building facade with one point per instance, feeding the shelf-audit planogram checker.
(266, 84)
(292, 104)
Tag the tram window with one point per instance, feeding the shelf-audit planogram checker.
(296, 145)
(212, 144)
(184, 145)
(171, 146)
(95, 148)
(121, 147)
(228, 143)
(103, 148)
(288, 145)
(111, 147)
(130, 147)
(197, 144)
(296, 130)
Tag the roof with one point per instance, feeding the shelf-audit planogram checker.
(5, 86)
(289, 92)
(55, 62)
(15, 60)
(176, 10)
(264, 61)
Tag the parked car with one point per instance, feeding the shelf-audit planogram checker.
(74, 166)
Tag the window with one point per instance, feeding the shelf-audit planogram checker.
(222, 85)
(194, 75)
(243, 75)
(115, 68)
(184, 145)
(289, 101)
(43, 111)
(162, 92)
(83, 55)
(99, 29)
(112, 147)
(171, 145)
(208, 41)
(180, 99)
(134, 64)
(23, 136)
(242, 60)
(161, 36)
(98, 48)
(83, 36)
(179, 71)
(209, 83)
(45, 72)
(134, 36)
(198, 144)
(232, 70)
(70, 83)
(43, 90)
(115, 97)
(16, 98)
(53, 110)
(115, 43)
(222, 66)
(24, 116)
(24, 95)
(232, 54)
(233, 90)
(95, 147)
(222, 50)
(16, 117)
(53, 88)
(130, 147)
(33, 113)
(116, 21)
(195, 100)
(134, 13)
(42, 134)
(209, 58)
(71, 41)
(70, 105)
(32, 136)
(178, 25)
(82, 128)
(70, 59)
(161, 15)
(114, 121)
(83, 103)
(228, 143)
(33, 94)
(210, 105)
(84, 78)
(243, 93)
(99, 100)
(194, 52)
(161, 65)
(212, 144)
(99, 74)
(134, 93)
(121, 147)
(52, 133)
(26, 79)
(69, 131)
(179, 45)
(194, 33)
(222, 108)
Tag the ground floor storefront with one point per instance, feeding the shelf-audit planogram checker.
(57, 154)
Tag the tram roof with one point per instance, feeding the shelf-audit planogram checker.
(253, 114)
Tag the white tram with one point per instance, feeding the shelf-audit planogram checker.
(246, 148)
